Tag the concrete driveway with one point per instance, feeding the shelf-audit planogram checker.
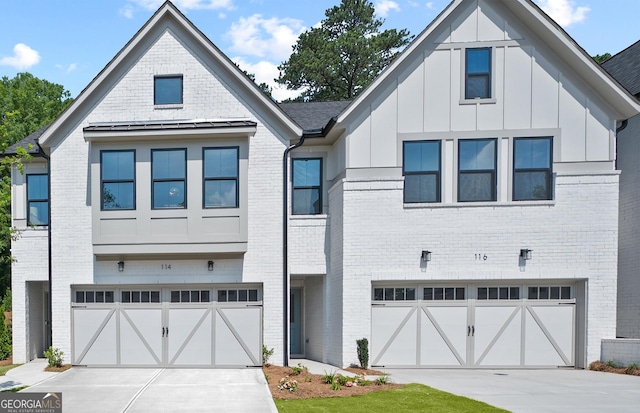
(534, 391)
(159, 390)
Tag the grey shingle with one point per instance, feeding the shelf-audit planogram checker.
(625, 68)
(313, 115)
(24, 143)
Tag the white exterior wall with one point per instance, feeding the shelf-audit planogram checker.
(629, 259)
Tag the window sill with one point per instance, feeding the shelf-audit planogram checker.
(480, 204)
(478, 101)
(170, 106)
(309, 216)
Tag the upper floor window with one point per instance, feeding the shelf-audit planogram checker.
(477, 170)
(422, 170)
(477, 73)
(167, 90)
(307, 186)
(117, 176)
(169, 174)
(532, 160)
(220, 175)
(38, 199)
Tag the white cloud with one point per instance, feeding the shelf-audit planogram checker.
(383, 7)
(127, 11)
(429, 5)
(257, 36)
(187, 4)
(266, 72)
(564, 12)
(23, 57)
(72, 67)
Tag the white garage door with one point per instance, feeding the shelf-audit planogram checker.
(167, 327)
(499, 327)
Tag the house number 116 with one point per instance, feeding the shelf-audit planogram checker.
(481, 257)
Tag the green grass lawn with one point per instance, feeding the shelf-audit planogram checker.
(5, 369)
(411, 398)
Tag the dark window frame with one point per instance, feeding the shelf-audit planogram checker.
(548, 171)
(493, 172)
(37, 200)
(486, 75)
(154, 180)
(205, 179)
(316, 187)
(155, 92)
(115, 181)
(438, 173)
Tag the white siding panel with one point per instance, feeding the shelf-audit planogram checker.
(359, 143)
(491, 116)
(437, 94)
(544, 111)
(384, 127)
(465, 27)
(490, 24)
(463, 117)
(572, 123)
(597, 134)
(448, 171)
(517, 94)
(411, 98)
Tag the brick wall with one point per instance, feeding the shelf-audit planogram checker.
(622, 351)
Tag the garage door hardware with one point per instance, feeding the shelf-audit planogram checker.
(471, 331)
(165, 330)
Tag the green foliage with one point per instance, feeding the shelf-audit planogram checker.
(266, 377)
(363, 352)
(263, 86)
(297, 370)
(54, 356)
(382, 380)
(412, 398)
(631, 368)
(287, 384)
(601, 58)
(5, 336)
(335, 385)
(6, 300)
(266, 354)
(611, 363)
(328, 378)
(5, 369)
(337, 60)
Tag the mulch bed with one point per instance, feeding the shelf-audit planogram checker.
(60, 369)
(311, 385)
(6, 362)
(600, 366)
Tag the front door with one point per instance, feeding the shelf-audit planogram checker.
(295, 321)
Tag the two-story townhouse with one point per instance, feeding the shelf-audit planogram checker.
(461, 212)
(625, 67)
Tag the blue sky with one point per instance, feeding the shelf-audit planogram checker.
(70, 41)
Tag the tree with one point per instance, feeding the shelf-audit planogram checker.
(26, 104)
(601, 58)
(337, 60)
(263, 86)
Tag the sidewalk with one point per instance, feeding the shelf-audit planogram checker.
(27, 374)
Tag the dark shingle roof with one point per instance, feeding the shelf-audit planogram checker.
(313, 115)
(24, 143)
(625, 68)
(167, 125)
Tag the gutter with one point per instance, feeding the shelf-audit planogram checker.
(50, 303)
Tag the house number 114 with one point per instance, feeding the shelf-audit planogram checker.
(165, 266)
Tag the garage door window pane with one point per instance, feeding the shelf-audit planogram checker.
(89, 297)
(253, 295)
(204, 296)
(555, 293)
(242, 295)
(135, 296)
(79, 296)
(155, 296)
(565, 293)
(449, 293)
(222, 296)
(378, 294)
(460, 294)
(99, 296)
(108, 296)
(438, 294)
(411, 294)
(428, 294)
(145, 297)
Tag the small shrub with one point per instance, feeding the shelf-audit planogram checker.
(6, 300)
(266, 354)
(631, 368)
(382, 380)
(364, 382)
(335, 385)
(343, 380)
(296, 370)
(611, 363)
(54, 356)
(328, 378)
(287, 384)
(363, 352)
(5, 336)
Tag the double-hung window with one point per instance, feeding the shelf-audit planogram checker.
(220, 176)
(477, 73)
(532, 160)
(169, 175)
(422, 170)
(167, 90)
(118, 182)
(307, 186)
(38, 199)
(477, 170)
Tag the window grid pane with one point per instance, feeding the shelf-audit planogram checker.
(478, 73)
(307, 186)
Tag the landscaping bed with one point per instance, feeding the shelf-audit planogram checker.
(611, 367)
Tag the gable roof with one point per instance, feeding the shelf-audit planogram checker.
(314, 116)
(547, 30)
(29, 143)
(625, 68)
(168, 14)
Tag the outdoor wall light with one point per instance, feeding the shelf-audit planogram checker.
(525, 254)
(121, 266)
(426, 256)
(210, 265)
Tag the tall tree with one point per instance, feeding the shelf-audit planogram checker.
(26, 104)
(601, 58)
(337, 60)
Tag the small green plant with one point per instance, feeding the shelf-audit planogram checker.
(5, 336)
(382, 380)
(297, 370)
(54, 356)
(630, 368)
(287, 384)
(343, 380)
(307, 379)
(266, 354)
(364, 382)
(611, 363)
(266, 377)
(363, 352)
(329, 378)
(335, 385)
(6, 300)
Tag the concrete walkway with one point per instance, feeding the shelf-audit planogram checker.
(26, 375)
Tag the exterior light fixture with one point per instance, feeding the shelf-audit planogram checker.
(121, 266)
(426, 256)
(525, 254)
(210, 265)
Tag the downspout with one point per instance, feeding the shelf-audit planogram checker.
(285, 246)
(50, 303)
(622, 127)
